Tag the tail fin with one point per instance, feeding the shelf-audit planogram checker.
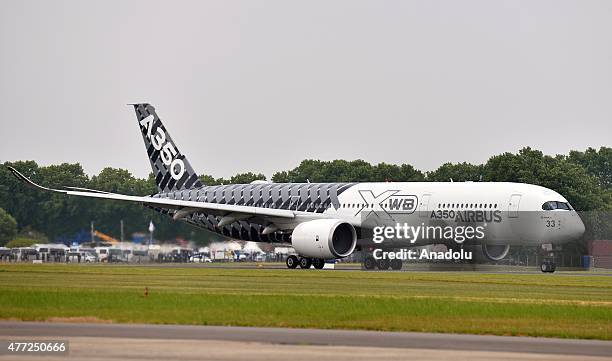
(171, 169)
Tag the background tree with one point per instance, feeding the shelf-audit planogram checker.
(384, 172)
(596, 163)
(584, 178)
(208, 180)
(18, 199)
(28, 232)
(21, 242)
(8, 227)
(317, 171)
(246, 178)
(459, 172)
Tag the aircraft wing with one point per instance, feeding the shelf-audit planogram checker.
(182, 207)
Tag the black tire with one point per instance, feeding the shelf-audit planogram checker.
(548, 267)
(305, 262)
(369, 263)
(383, 264)
(318, 263)
(396, 264)
(292, 262)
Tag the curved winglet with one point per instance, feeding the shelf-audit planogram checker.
(29, 182)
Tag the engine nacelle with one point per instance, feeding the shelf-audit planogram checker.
(324, 238)
(495, 252)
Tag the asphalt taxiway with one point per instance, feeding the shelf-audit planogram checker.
(136, 341)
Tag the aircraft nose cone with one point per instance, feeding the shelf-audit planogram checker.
(578, 227)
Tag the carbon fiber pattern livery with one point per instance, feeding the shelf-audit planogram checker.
(304, 197)
(177, 180)
(152, 129)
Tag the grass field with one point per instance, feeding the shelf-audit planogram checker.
(557, 305)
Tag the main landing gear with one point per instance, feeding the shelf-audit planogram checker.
(292, 262)
(371, 263)
(548, 266)
(305, 262)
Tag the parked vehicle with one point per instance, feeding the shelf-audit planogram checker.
(102, 253)
(199, 258)
(89, 257)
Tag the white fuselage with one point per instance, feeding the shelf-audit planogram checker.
(512, 213)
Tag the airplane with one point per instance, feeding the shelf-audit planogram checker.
(329, 221)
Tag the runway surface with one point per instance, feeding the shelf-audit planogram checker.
(433, 268)
(129, 341)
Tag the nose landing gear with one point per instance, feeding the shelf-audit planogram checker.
(548, 263)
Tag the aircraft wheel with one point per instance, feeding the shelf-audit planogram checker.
(292, 261)
(548, 267)
(383, 264)
(369, 263)
(318, 263)
(396, 264)
(305, 262)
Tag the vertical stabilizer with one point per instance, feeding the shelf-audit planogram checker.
(171, 169)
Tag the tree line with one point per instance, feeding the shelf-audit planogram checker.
(583, 177)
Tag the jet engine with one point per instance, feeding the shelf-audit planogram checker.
(495, 252)
(324, 238)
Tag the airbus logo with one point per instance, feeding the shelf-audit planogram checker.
(167, 150)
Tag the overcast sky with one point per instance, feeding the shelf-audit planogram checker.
(261, 85)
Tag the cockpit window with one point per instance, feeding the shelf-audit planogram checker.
(552, 205)
(564, 206)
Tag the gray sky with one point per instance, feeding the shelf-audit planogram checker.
(261, 85)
